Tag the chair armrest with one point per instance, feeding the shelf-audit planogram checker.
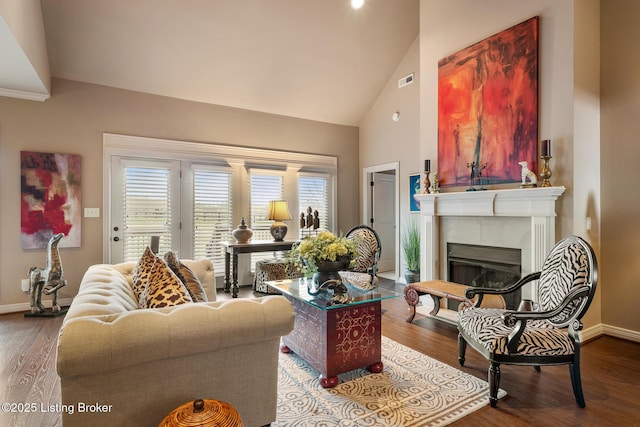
(473, 291)
(518, 319)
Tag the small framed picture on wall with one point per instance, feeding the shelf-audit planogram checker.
(414, 188)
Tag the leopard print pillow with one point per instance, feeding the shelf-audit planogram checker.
(187, 277)
(164, 288)
(142, 272)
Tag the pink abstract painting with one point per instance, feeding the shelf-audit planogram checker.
(50, 199)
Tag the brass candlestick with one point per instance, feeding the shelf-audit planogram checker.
(427, 183)
(545, 173)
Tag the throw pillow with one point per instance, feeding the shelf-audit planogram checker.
(187, 276)
(142, 272)
(164, 288)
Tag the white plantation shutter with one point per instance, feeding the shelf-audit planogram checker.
(212, 214)
(313, 191)
(148, 203)
(264, 186)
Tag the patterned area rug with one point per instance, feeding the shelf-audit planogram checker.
(413, 390)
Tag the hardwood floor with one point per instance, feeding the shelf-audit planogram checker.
(610, 373)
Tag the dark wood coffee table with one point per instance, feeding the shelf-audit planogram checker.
(335, 338)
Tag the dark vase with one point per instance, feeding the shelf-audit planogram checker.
(328, 270)
(411, 276)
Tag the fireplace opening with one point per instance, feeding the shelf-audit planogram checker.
(486, 267)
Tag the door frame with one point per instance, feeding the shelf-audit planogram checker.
(367, 173)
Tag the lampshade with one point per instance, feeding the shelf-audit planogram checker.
(278, 211)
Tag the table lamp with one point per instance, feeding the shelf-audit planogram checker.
(278, 211)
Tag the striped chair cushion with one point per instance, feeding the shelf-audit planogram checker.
(486, 326)
(359, 280)
(367, 249)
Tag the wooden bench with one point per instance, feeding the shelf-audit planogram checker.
(438, 289)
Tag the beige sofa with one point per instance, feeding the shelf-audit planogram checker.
(124, 366)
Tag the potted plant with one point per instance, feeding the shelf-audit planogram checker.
(322, 256)
(411, 250)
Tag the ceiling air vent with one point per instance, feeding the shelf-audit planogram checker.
(406, 80)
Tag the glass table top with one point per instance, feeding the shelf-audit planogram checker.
(298, 289)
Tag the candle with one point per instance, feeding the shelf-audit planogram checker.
(427, 165)
(546, 148)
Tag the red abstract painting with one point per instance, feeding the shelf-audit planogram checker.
(488, 108)
(50, 199)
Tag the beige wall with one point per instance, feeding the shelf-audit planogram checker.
(73, 121)
(620, 155)
(383, 140)
(569, 98)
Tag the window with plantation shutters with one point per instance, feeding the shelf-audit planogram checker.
(212, 214)
(149, 201)
(264, 186)
(192, 195)
(313, 192)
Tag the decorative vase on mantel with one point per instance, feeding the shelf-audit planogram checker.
(243, 233)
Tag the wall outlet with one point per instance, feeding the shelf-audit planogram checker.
(92, 212)
(24, 284)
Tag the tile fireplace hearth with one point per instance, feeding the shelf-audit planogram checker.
(515, 218)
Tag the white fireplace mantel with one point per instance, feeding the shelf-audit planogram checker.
(538, 204)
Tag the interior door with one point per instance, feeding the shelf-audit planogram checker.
(384, 219)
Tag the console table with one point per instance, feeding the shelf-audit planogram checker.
(335, 338)
(232, 249)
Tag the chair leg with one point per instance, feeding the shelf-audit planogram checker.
(494, 383)
(576, 383)
(462, 348)
(537, 368)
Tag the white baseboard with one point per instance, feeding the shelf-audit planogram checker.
(617, 332)
(24, 306)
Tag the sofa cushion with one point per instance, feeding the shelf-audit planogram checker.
(164, 288)
(187, 277)
(142, 272)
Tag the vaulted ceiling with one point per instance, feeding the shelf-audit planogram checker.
(312, 59)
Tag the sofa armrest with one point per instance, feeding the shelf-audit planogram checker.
(101, 343)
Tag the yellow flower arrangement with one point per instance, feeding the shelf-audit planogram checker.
(326, 246)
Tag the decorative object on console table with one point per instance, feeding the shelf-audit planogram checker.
(310, 221)
(545, 173)
(278, 211)
(427, 171)
(243, 233)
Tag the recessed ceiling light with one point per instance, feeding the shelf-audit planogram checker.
(357, 4)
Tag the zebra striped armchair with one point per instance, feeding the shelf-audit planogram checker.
(548, 335)
(364, 274)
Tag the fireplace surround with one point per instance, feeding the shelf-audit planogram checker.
(513, 218)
